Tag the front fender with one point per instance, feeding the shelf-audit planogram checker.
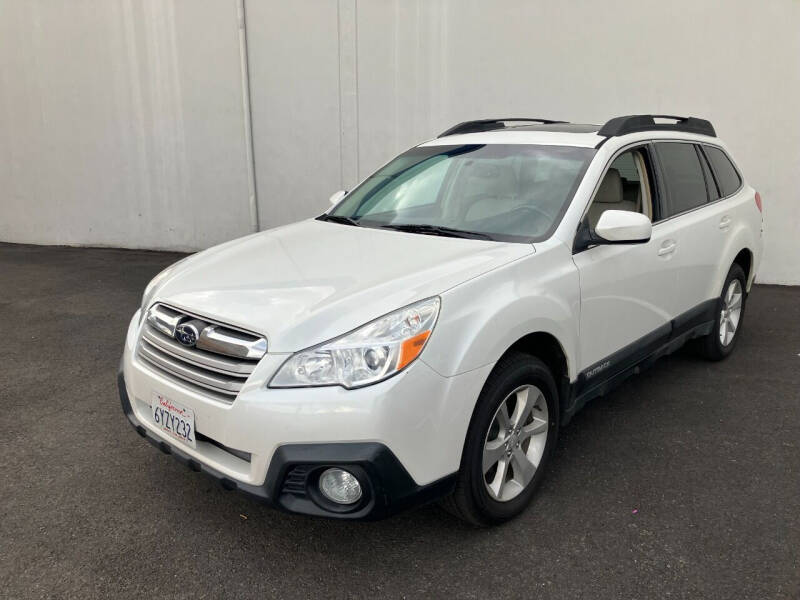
(480, 319)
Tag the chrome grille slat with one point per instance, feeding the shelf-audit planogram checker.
(164, 319)
(220, 394)
(198, 358)
(231, 343)
(221, 366)
(183, 370)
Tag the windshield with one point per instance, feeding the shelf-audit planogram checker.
(506, 192)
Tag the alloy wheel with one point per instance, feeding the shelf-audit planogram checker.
(731, 312)
(515, 443)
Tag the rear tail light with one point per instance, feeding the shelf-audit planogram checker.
(758, 202)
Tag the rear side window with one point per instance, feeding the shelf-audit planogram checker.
(727, 176)
(683, 177)
(711, 185)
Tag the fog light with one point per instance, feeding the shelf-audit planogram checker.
(340, 486)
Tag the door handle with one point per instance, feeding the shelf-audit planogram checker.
(725, 222)
(668, 247)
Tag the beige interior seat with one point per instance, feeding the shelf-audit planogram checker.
(609, 197)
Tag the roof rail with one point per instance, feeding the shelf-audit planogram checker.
(491, 125)
(635, 123)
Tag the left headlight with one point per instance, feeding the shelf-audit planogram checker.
(367, 355)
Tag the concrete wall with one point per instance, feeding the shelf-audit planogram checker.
(123, 123)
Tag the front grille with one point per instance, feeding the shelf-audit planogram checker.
(214, 357)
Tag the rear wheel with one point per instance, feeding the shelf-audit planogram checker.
(729, 317)
(509, 442)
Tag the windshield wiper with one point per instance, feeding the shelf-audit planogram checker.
(338, 219)
(438, 230)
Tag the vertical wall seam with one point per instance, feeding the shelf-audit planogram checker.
(358, 110)
(341, 118)
(348, 94)
(255, 221)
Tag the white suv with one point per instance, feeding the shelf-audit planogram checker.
(427, 337)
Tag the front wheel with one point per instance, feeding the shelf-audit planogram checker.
(729, 317)
(510, 439)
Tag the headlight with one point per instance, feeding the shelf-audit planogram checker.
(367, 355)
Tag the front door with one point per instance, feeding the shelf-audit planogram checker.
(628, 291)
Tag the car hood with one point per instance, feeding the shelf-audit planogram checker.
(306, 283)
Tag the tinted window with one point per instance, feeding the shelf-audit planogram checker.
(683, 176)
(711, 183)
(727, 177)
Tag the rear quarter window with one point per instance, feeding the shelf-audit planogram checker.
(683, 177)
(727, 175)
(711, 184)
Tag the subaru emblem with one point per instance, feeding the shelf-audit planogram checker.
(187, 333)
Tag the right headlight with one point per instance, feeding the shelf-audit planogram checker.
(367, 355)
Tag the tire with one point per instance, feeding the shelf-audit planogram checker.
(712, 346)
(518, 380)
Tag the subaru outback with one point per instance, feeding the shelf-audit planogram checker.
(427, 336)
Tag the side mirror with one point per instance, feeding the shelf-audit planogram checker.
(623, 227)
(335, 198)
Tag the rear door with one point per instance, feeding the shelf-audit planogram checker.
(692, 203)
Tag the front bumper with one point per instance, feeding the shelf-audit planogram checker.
(404, 435)
(291, 478)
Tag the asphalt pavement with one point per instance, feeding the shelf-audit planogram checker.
(683, 483)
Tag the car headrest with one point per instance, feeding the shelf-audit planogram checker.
(610, 191)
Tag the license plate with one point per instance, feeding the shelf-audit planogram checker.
(174, 419)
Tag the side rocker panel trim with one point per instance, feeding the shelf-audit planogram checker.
(603, 376)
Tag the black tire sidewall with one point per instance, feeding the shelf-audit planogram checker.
(517, 372)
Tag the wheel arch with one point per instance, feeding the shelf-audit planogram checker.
(744, 259)
(546, 347)
(741, 249)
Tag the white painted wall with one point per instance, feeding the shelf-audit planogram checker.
(121, 123)
(135, 135)
(294, 84)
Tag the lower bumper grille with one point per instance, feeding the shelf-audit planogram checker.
(241, 454)
(295, 481)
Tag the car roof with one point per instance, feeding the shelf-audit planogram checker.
(559, 127)
(543, 131)
(560, 134)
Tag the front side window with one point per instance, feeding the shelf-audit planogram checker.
(727, 176)
(683, 177)
(506, 192)
(625, 186)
